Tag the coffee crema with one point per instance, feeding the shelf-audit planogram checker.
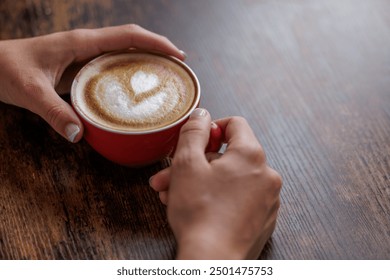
(134, 91)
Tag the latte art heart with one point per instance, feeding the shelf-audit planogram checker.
(124, 105)
(137, 92)
(142, 82)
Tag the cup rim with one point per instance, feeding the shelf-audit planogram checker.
(86, 118)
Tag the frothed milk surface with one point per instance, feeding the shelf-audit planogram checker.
(134, 91)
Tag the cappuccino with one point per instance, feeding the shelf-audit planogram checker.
(134, 91)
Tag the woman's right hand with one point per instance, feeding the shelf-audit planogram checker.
(219, 206)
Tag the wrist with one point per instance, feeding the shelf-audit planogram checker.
(208, 245)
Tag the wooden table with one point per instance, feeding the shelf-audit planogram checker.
(313, 80)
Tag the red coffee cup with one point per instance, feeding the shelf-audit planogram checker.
(126, 146)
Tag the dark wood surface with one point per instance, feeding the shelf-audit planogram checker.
(313, 80)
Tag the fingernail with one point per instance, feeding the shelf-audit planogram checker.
(183, 53)
(214, 125)
(150, 181)
(198, 113)
(71, 131)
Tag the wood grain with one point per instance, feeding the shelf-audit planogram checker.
(311, 77)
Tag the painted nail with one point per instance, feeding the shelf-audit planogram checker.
(214, 125)
(183, 53)
(198, 113)
(71, 131)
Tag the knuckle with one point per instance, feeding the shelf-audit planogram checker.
(276, 179)
(163, 38)
(181, 159)
(257, 152)
(31, 88)
(240, 120)
(134, 27)
(277, 205)
(253, 152)
(54, 114)
(191, 128)
(184, 160)
(74, 36)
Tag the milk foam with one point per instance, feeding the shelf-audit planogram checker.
(134, 91)
(142, 82)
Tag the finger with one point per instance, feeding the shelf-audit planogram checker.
(87, 43)
(212, 156)
(242, 143)
(160, 181)
(164, 197)
(236, 132)
(56, 112)
(194, 136)
(215, 141)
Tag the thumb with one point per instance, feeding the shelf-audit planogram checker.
(58, 114)
(194, 135)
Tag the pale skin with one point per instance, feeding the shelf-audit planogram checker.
(219, 206)
(35, 71)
